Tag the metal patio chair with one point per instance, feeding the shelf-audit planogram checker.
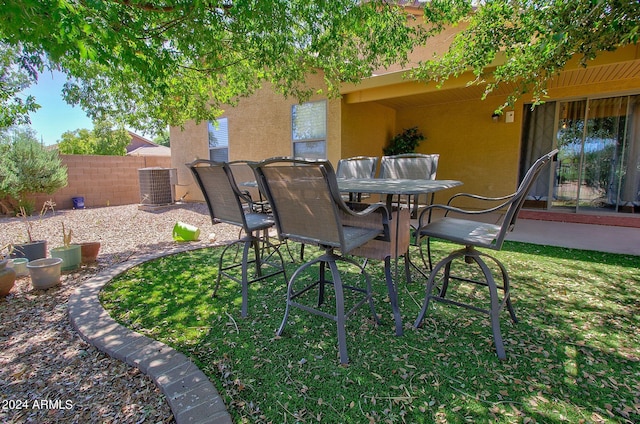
(228, 204)
(357, 167)
(411, 166)
(308, 208)
(243, 173)
(472, 234)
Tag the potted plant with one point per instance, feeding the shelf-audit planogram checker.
(405, 142)
(32, 249)
(89, 251)
(69, 253)
(7, 274)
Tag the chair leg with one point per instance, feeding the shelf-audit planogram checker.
(470, 254)
(494, 313)
(245, 277)
(290, 295)
(393, 296)
(340, 317)
(257, 255)
(258, 246)
(445, 280)
(407, 266)
(428, 262)
(506, 288)
(430, 283)
(322, 281)
(218, 278)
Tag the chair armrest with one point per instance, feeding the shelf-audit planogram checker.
(362, 214)
(363, 209)
(448, 208)
(478, 197)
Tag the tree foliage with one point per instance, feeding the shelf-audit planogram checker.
(154, 63)
(102, 140)
(16, 73)
(524, 43)
(26, 167)
(157, 62)
(163, 138)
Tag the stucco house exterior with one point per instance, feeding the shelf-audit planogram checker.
(592, 114)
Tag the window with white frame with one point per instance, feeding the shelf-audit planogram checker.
(219, 140)
(309, 130)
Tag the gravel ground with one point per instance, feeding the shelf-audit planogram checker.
(48, 374)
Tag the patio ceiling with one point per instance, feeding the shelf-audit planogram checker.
(399, 93)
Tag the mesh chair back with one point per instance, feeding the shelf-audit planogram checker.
(303, 196)
(243, 173)
(520, 195)
(220, 191)
(357, 167)
(410, 166)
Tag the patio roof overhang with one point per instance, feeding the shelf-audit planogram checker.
(395, 89)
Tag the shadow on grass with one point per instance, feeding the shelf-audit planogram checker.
(572, 357)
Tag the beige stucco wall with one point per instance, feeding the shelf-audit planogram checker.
(259, 128)
(473, 149)
(366, 129)
(188, 144)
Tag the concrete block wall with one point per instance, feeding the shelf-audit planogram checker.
(102, 180)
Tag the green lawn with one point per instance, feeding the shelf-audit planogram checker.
(573, 357)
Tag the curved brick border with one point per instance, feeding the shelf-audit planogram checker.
(191, 396)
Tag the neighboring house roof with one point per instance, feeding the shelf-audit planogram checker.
(154, 150)
(141, 146)
(137, 141)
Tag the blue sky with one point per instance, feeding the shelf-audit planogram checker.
(55, 116)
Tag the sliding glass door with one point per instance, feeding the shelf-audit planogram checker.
(598, 166)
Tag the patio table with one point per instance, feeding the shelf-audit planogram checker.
(390, 188)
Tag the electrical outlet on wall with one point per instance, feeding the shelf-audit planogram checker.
(508, 117)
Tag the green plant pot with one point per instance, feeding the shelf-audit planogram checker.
(185, 232)
(45, 273)
(19, 265)
(71, 256)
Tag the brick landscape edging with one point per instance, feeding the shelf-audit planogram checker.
(190, 394)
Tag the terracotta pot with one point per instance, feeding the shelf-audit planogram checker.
(89, 251)
(7, 278)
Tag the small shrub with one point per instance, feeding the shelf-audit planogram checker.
(27, 168)
(405, 142)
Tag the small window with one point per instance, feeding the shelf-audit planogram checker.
(219, 140)
(309, 130)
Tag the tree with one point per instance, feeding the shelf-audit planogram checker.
(162, 139)
(16, 74)
(77, 142)
(102, 140)
(157, 63)
(26, 167)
